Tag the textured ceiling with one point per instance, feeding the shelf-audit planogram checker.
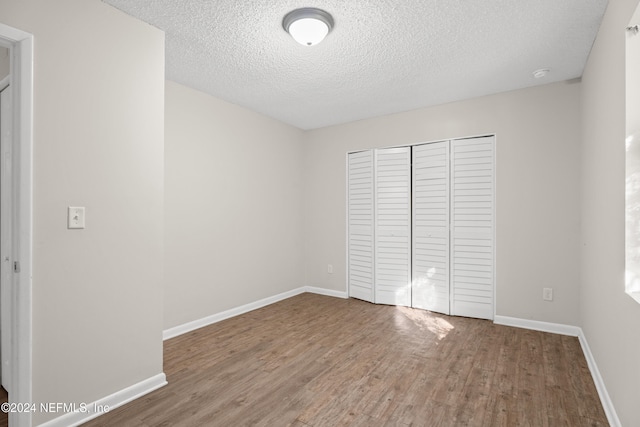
(382, 56)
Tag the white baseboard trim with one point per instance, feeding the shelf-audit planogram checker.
(536, 325)
(327, 292)
(214, 318)
(92, 410)
(573, 331)
(607, 404)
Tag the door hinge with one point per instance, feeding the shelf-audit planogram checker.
(16, 266)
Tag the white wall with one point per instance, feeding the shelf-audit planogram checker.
(98, 143)
(233, 206)
(610, 318)
(537, 181)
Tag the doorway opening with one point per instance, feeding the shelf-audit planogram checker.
(16, 102)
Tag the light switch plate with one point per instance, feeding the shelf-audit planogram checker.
(75, 217)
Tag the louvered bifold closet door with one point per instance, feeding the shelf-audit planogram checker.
(393, 226)
(430, 284)
(472, 227)
(361, 225)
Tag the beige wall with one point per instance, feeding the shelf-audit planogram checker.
(254, 207)
(537, 180)
(98, 143)
(5, 63)
(233, 206)
(610, 318)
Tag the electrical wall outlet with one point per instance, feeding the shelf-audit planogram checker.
(547, 294)
(330, 268)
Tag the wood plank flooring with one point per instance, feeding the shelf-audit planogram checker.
(317, 361)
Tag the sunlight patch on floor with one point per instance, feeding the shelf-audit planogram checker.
(427, 321)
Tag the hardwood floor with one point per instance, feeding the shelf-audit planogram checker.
(318, 361)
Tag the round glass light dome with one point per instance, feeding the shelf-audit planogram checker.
(308, 26)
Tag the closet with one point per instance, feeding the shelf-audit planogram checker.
(421, 226)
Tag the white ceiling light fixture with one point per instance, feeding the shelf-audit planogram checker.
(308, 25)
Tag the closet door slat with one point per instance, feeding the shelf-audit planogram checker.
(393, 226)
(431, 227)
(472, 227)
(360, 225)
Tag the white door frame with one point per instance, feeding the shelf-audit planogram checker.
(6, 229)
(20, 44)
